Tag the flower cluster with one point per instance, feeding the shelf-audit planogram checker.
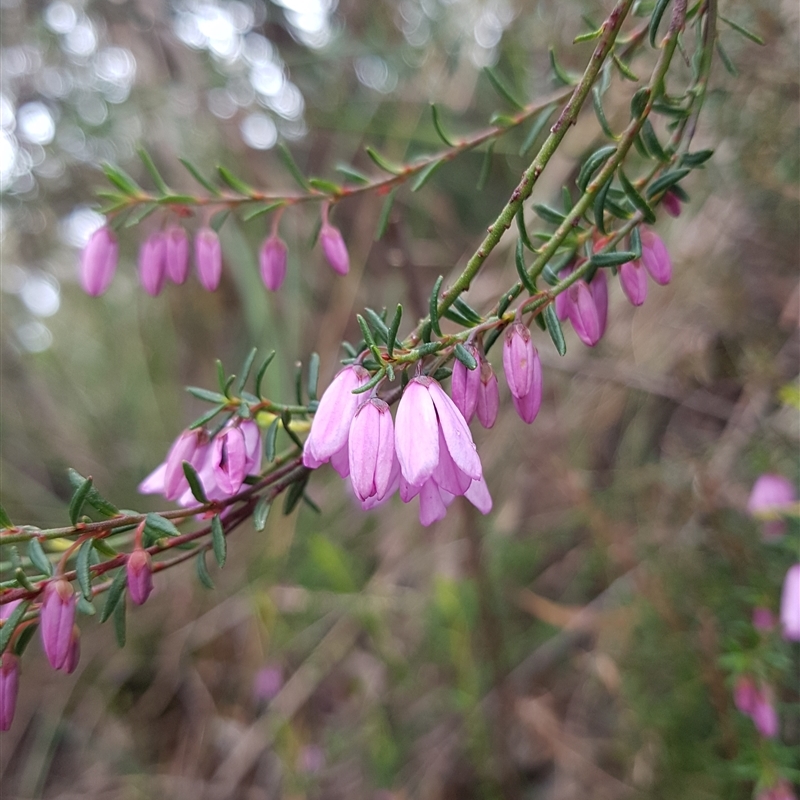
(428, 453)
(165, 256)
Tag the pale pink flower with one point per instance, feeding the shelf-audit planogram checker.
(208, 258)
(633, 279)
(655, 257)
(518, 359)
(790, 604)
(99, 261)
(745, 694)
(764, 715)
(230, 459)
(465, 384)
(152, 264)
(771, 494)
(371, 450)
(331, 424)
(334, 248)
(488, 395)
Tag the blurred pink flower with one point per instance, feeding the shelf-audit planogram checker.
(790, 604)
(334, 248)
(272, 259)
(208, 258)
(655, 257)
(267, 683)
(763, 619)
(152, 263)
(177, 254)
(99, 261)
(9, 687)
(770, 495)
(671, 203)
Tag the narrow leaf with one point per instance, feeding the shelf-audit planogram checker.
(244, 372)
(259, 209)
(150, 166)
(639, 102)
(522, 270)
(655, 20)
(78, 499)
(486, 166)
(425, 175)
(523, 231)
(466, 310)
(327, 187)
(262, 371)
(548, 214)
(207, 417)
(261, 513)
(587, 37)
(270, 439)
(500, 87)
(378, 325)
(554, 329)
(294, 494)
(667, 180)
(437, 124)
(218, 541)
(218, 220)
(39, 558)
(122, 180)
(592, 164)
(313, 376)
(24, 638)
(638, 201)
(651, 142)
(464, 356)
(393, 329)
(205, 394)
(202, 570)
(562, 76)
(157, 527)
(599, 206)
(753, 37)
(85, 606)
(433, 306)
(356, 176)
(536, 128)
(386, 211)
(624, 69)
(5, 520)
(612, 259)
(380, 161)
(203, 181)
(237, 184)
(597, 103)
(115, 592)
(82, 568)
(696, 159)
(636, 242)
(138, 214)
(195, 484)
(119, 622)
(291, 165)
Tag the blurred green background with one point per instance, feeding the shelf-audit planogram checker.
(450, 662)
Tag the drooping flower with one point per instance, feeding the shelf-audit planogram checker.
(466, 383)
(334, 248)
(99, 261)
(327, 440)
(73, 652)
(371, 450)
(183, 449)
(139, 571)
(152, 264)
(790, 604)
(671, 203)
(764, 715)
(655, 257)
(9, 687)
(633, 279)
(523, 371)
(583, 313)
(745, 694)
(488, 395)
(57, 617)
(563, 302)
(230, 459)
(272, 258)
(176, 254)
(208, 258)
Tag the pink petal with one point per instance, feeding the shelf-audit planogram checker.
(456, 433)
(416, 436)
(431, 505)
(478, 495)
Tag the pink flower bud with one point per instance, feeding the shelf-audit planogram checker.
(139, 570)
(790, 604)
(74, 652)
(671, 204)
(764, 715)
(273, 263)
(230, 460)
(771, 494)
(518, 359)
(331, 424)
(465, 385)
(599, 289)
(633, 280)
(152, 267)
(334, 248)
(563, 302)
(177, 254)
(583, 313)
(56, 620)
(99, 261)
(9, 687)
(371, 450)
(488, 395)
(208, 258)
(745, 694)
(655, 257)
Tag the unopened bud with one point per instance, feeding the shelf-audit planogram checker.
(334, 248)
(273, 262)
(151, 264)
(9, 686)
(655, 257)
(177, 254)
(208, 258)
(633, 280)
(99, 261)
(56, 620)
(671, 204)
(139, 570)
(74, 652)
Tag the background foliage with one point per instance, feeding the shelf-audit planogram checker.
(625, 497)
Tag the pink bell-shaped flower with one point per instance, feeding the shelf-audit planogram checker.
(518, 359)
(152, 264)
(488, 395)
(9, 687)
(790, 604)
(230, 460)
(327, 440)
(176, 255)
(183, 449)
(139, 570)
(633, 279)
(57, 617)
(99, 261)
(371, 450)
(273, 258)
(655, 257)
(465, 384)
(208, 258)
(334, 248)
